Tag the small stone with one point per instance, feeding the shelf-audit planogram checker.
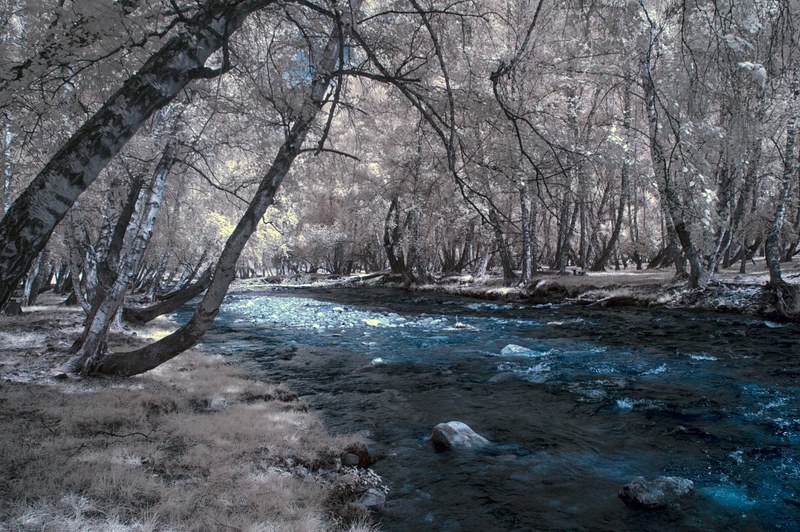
(360, 452)
(373, 499)
(456, 435)
(657, 493)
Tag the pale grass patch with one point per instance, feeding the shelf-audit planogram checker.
(195, 445)
(22, 340)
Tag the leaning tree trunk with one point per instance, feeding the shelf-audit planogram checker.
(151, 356)
(34, 280)
(106, 260)
(27, 225)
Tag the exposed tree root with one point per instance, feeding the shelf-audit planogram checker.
(782, 302)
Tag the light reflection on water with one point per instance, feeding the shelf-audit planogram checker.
(599, 397)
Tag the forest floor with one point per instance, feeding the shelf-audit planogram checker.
(193, 445)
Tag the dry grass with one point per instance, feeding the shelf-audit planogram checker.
(192, 445)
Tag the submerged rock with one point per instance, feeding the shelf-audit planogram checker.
(456, 435)
(657, 493)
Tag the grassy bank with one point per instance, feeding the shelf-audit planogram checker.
(193, 445)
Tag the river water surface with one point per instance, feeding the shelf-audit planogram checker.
(586, 401)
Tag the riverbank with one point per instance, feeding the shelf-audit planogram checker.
(728, 291)
(193, 445)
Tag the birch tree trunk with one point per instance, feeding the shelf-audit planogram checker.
(101, 318)
(30, 220)
(151, 356)
(34, 280)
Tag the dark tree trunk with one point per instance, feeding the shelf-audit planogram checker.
(698, 276)
(140, 315)
(392, 234)
(600, 263)
(502, 247)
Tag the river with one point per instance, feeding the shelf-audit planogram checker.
(588, 400)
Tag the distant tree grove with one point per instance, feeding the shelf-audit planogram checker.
(164, 147)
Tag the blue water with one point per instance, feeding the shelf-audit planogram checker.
(576, 401)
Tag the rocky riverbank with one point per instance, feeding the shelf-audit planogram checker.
(728, 291)
(194, 444)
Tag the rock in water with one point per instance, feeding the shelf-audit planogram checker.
(373, 498)
(514, 349)
(657, 493)
(456, 435)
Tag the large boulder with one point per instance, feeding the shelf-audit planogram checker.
(657, 493)
(456, 435)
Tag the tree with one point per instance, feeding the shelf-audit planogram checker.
(322, 71)
(28, 223)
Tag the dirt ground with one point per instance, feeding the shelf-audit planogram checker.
(192, 445)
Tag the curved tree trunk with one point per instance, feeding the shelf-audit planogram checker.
(140, 315)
